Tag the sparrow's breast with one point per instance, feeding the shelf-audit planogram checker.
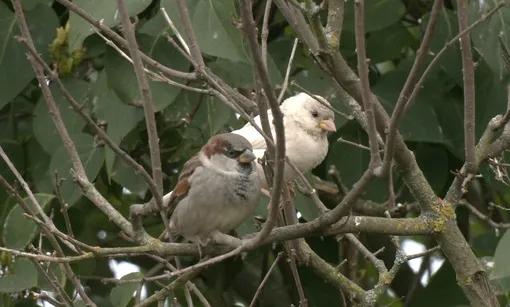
(306, 152)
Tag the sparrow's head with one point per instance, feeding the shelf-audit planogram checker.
(310, 114)
(228, 151)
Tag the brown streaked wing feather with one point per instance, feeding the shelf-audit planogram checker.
(183, 185)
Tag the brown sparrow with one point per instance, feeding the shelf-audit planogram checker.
(218, 188)
(307, 123)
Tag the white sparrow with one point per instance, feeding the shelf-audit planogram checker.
(307, 123)
(218, 188)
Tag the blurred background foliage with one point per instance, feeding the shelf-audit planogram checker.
(105, 84)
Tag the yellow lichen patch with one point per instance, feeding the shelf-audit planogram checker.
(400, 225)
(154, 242)
(420, 226)
(444, 212)
(466, 281)
(437, 224)
(445, 209)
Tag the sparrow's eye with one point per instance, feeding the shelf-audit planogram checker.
(315, 113)
(232, 153)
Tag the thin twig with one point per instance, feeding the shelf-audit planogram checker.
(154, 76)
(375, 157)
(342, 140)
(378, 263)
(78, 170)
(484, 217)
(172, 26)
(265, 32)
(189, 35)
(67, 268)
(468, 70)
(55, 284)
(287, 71)
(427, 252)
(119, 40)
(53, 76)
(64, 208)
(279, 158)
(273, 266)
(450, 43)
(333, 172)
(147, 102)
(404, 97)
(293, 248)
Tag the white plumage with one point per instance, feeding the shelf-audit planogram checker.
(306, 122)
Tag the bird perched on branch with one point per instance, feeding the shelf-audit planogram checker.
(307, 123)
(218, 188)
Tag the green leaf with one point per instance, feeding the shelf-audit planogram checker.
(306, 207)
(106, 11)
(305, 204)
(389, 43)
(43, 126)
(433, 160)
(392, 10)
(52, 269)
(79, 303)
(32, 4)
(420, 124)
(154, 26)
(213, 23)
(122, 78)
(501, 286)
(353, 167)
(441, 291)
(125, 175)
(15, 70)
(109, 108)
(92, 158)
(23, 275)
(447, 28)
(122, 294)
(39, 162)
(451, 116)
(501, 259)
(484, 243)
(212, 115)
(451, 109)
(488, 88)
(15, 151)
(486, 35)
(18, 230)
(240, 74)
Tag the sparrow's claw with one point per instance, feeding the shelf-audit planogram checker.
(265, 192)
(201, 242)
(292, 191)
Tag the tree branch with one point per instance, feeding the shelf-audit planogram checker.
(468, 70)
(359, 11)
(404, 98)
(279, 158)
(146, 97)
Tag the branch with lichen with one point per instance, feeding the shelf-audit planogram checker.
(460, 254)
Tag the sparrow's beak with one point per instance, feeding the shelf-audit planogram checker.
(327, 125)
(246, 157)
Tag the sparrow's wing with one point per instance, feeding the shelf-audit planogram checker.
(252, 135)
(183, 184)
